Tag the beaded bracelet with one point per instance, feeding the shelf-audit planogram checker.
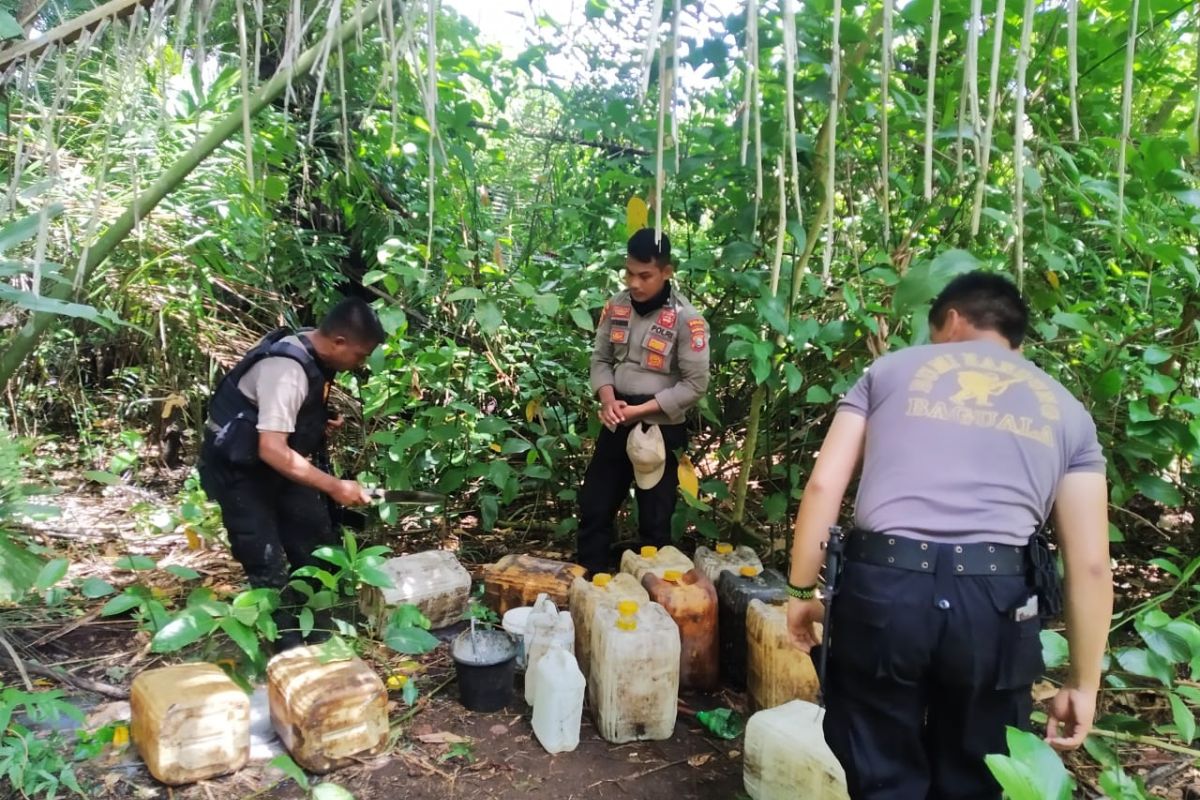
(802, 592)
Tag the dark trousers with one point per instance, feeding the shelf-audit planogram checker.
(605, 487)
(274, 526)
(925, 671)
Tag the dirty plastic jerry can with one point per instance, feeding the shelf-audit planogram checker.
(558, 701)
(326, 715)
(189, 722)
(724, 557)
(734, 593)
(433, 581)
(691, 600)
(547, 628)
(787, 757)
(777, 671)
(654, 559)
(586, 596)
(634, 688)
(517, 580)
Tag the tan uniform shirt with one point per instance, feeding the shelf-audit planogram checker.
(664, 354)
(278, 386)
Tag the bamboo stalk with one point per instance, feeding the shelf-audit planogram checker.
(989, 126)
(24, 341)
(659, 174)
(431, 118)
(973, 71)
(243, 57)
(673, 70)
(835, 77)
(1126, 113)
(885, 79)
(930, 92)
(789, 72)
(1019, 144)
(651, 46)
(748, 97)
(1073, 64)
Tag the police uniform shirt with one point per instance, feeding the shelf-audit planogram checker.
(278, 386)
(663, 354)
(966, 442)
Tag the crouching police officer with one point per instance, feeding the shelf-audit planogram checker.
(966, 447)
(267, 419)
(649, 366)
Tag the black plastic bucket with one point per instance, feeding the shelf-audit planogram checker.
(486, 667)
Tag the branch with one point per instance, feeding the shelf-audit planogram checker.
(69, 31)
(612, 148)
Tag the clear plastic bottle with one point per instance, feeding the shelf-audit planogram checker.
(724, 557)
(634, 689)
(547, 627)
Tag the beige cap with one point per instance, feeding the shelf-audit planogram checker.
(648, 455)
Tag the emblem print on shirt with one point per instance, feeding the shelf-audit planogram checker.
(657, 345)
(666, 318)
(696, 329)
(621, 312)
(619, 335)
(656, 361)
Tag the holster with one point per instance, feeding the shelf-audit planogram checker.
(1042, 575)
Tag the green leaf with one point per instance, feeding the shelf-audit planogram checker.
(275, 188)
(1053, 780)
(1076, 322)
(324, 576)
(94, 588)
(244, 636)
(817, 394)
(582, 319)
(794, 378)
(925, 279)
(287, 766)
(1146, 664)
(97, 476)
(1118, 785)
(547, 304)
(488, 315)
(306, 620)
(1154, 354)
(1055, 650)
(190, 626)
(1108, 384)
(330, 791)
(489, 510)
(408, 614)
(50, 574)
(1158, 384)
(334, 555)
(409, 640)
(409, 692)
(1185, 720)
(1014, 778)
(1099, 749)
(179, 571)
(374, 576)
(120, 604)
(134, 563)
(25, 228)
(465, 293)
(1158, 490)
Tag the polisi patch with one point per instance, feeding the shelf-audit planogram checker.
(619, 335)
(656, 361)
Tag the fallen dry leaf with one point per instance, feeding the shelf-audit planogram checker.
(1044, 690)
(498, 730)
(442, 737)
(700, 759)
(734, 753)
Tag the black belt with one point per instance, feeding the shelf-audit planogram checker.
(982, 558)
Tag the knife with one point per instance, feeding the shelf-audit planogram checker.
(412, 496)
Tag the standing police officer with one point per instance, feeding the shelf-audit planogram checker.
(649, 366)
(268, 419)
(966, 447)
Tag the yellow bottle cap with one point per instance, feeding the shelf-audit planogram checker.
(627, 621)
(601, 579)
(627, 608)
(672, 575)
(649, 551)
(724, 548)
(749, 572)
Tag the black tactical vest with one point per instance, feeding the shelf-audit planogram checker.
(233, 419)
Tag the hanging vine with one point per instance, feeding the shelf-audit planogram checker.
(1126, 109)
(930, 92)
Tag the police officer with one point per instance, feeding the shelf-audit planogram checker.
(966, 448)
(268, 419)
(649, 366)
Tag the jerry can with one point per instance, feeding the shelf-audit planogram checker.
(517, 580)
(787, 757)
(654, 559)
(724, 557)
(189, 722)
(777, 671)
(734, 593)
(327, 714)
(558, 700)
(634, 688)
(547, 628)
(433, 581)
(691, 600)
(586, 596)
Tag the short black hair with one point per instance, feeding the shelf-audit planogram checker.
(989, 301)
(643, 248)
(354, 319)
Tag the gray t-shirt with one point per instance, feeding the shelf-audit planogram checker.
(965, 442)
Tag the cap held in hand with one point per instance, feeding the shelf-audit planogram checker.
(648, 455)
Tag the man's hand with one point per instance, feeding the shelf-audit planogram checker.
(612, 413)
(349, 493)
(333, 424)
(1070, 717)
(802, 616)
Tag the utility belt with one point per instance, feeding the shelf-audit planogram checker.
(633, 399)
(1035, 561)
